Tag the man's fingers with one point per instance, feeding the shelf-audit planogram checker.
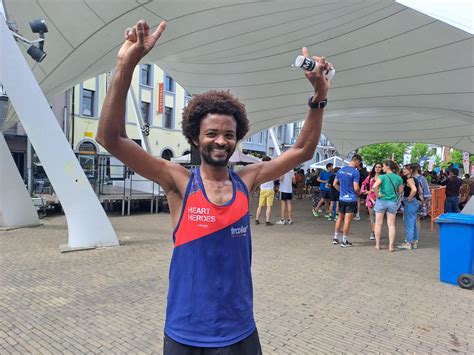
(140, 32)
(304, 51)
(131, 34)
(159, 30)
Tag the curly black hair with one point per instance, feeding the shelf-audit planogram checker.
(221, 102)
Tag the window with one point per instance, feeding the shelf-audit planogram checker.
(169, 83)
(260, 138)
(145, 75)
(298, 126)
(249, 139)
(280, 132)
(168, 117)
(145, 106)
(88, 97)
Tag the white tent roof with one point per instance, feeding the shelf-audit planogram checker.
(400, 75)
(335, 160)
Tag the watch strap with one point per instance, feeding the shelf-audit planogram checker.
(315, 105)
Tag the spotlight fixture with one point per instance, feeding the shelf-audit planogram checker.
(35, 52)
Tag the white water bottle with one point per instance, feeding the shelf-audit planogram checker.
(310, 64)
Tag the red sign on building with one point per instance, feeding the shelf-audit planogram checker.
(160, 98)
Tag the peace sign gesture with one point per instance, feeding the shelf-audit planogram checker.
(138, 42)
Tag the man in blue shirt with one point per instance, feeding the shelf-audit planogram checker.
(347, 182)
(323, 178)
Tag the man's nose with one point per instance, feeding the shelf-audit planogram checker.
(220, 140)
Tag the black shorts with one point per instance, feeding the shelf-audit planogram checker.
(247, 346)
(325, 194)
(334, 195)
(347, 207)
(284, 196)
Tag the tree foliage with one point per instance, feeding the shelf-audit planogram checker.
(376, 153)
(420, 150)
(456, 156)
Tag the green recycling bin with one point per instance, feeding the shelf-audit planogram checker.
(456, 248)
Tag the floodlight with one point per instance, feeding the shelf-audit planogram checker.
(37, 26)
(36, 53)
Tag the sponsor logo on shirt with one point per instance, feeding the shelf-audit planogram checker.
(238, 232)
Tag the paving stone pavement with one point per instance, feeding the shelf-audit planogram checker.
(310, 297)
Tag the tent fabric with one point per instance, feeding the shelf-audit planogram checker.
(400, 75)
(335, 160)
(239, 158)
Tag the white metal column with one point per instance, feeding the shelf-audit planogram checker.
(16, 208)
(275, 141)
(88, 224)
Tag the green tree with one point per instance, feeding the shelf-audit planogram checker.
(456, 156)
(420, 150)
(375, 153)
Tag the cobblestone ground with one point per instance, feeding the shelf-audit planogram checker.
(310, 297)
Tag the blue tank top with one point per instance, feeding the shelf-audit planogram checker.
(210, 297)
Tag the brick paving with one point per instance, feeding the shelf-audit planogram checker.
(310, 297)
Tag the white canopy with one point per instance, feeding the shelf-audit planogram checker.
(400, 75)
(335, 161)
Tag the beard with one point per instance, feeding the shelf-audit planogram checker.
(206, 155)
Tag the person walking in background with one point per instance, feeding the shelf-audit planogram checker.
(267, 194)
(286, 195)
(333, 196)
(453, 185)
(307, 183)
(363, 173)
(347, 182)
(425, 189)
(387, 187)
(370, 195)
(411, 204)
(315, 191)
(299, 184)
(323, 179)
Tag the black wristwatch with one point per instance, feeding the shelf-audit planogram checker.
(315, 105)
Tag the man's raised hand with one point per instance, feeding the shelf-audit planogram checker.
(317, 78)
(138, 42)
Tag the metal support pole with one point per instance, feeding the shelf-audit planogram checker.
(275, 141)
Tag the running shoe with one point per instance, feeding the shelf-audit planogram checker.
(257, 221)
(268, 223)
(357, 218)
(372, 236)
(280, 222)
(346, 243)
(315, 213)
(289, 222)
(414, 245)
(335, 241)
(327, 215)
(406, 246)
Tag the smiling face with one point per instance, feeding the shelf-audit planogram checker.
(217, 139)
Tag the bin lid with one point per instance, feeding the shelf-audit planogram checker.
(456, 218)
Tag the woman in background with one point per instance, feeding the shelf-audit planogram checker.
(370, 195)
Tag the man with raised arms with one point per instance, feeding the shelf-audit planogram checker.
(210, 297)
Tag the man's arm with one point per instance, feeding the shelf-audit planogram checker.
(336, 184)
(304, 147)
(111, 133)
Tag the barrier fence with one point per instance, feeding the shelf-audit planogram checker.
(438, 197)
